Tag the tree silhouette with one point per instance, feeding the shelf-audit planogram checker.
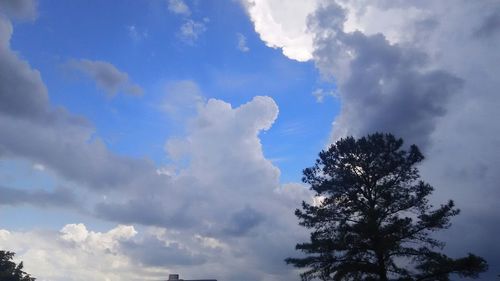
(373, 220)
(9, 271)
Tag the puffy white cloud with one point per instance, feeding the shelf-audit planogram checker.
(107, 76)
(224, 156)
(223, 125)
(284, 26)
(75, 253)
(78, 234)
(225, 195)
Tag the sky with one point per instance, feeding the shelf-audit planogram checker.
(144, 138)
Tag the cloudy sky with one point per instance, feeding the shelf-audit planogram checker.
(142, 138)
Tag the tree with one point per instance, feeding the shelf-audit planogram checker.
(373, 220)
(9, 271)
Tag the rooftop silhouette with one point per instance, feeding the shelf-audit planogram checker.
(175, 277)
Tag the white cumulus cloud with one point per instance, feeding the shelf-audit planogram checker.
(284, 25)
(74, 253)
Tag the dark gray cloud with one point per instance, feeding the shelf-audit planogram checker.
(385, 87)
(388, 92)
(19, 9)
(107, 76)
(22, 93)
(40, 198)
(243, 221)
(65, 148)
(148, 211)
(435, 86)
(489, 26)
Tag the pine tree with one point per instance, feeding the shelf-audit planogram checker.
(374, 221)
(9, 271)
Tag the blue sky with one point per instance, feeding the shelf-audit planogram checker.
(156, 56)
(143, 138)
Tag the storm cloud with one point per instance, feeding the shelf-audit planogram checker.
(425, 71)
(382, 86)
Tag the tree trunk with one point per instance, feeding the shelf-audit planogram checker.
(382, 271)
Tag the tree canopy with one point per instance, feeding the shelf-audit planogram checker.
(9, 271)
(373, 220)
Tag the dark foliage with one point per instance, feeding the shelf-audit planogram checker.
(374, 221)
(9, 271)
